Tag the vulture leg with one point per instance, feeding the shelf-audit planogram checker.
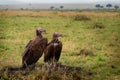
(54, 62)
(53, 59)
(25, 65)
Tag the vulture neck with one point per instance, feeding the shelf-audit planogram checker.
(40, 35)
(55, 39)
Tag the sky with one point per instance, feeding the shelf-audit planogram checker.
(57, 1)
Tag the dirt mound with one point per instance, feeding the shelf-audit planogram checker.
(45, 72)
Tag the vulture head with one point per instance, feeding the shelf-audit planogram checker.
(39, 31)
(56, 35)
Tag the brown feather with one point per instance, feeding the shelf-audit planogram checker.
(33, 51)
(53, 51)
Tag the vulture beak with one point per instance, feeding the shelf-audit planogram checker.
(44, 31)
(60, 35)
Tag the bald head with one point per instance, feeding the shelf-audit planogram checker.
(56, 35)
(39, 31)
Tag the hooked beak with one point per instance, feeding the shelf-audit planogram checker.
(44, 31)
(60, 35)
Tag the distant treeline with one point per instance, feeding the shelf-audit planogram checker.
(71, 7)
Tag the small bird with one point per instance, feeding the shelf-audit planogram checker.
(53, 50)
(34, 49)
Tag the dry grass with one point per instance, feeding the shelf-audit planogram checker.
(53, 14)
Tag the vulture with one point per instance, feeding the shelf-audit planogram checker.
(34, 49)
(53, 50)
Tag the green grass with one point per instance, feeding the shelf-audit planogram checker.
(16, 31)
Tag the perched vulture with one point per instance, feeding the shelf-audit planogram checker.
(53, 50)
(34, 49)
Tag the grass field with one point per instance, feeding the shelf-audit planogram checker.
(91, 40)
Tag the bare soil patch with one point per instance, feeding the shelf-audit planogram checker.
(44, 72)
